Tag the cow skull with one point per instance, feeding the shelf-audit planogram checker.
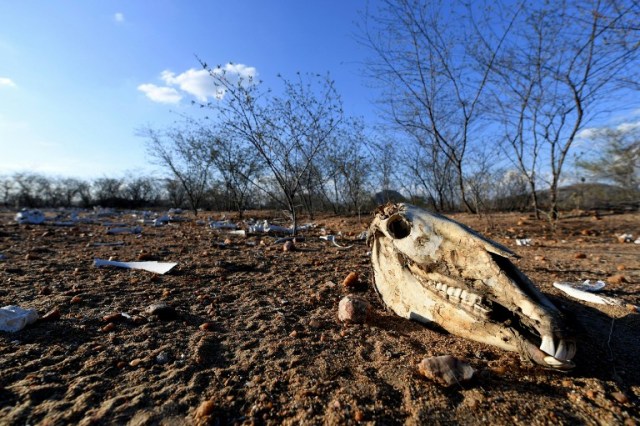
(432, 269)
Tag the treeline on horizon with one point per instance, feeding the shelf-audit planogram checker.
(34, 190)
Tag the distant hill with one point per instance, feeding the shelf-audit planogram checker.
(388, 196)
(587, 196)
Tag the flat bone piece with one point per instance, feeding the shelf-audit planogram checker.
(151, 266)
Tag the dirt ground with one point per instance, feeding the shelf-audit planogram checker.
(253, 336)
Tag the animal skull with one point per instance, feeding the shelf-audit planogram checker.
(432, 269)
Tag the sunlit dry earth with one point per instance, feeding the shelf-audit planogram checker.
(255, 336)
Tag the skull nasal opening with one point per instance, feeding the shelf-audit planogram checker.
(398, 227)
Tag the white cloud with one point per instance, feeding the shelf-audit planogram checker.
(195, 82)
(587, 133)
(594, 132)
(118, 17)
(198, 83)
(165, 95)
(628, 127)
(7, 82)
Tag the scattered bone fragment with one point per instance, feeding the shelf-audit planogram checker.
(446, 370)
(585, 291)
(332, 239)
(151, 266)
(353, 309)
(14, 318)
(625, 238)
(430, 268)
(30, 217)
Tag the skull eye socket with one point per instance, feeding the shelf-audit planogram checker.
(398, 227)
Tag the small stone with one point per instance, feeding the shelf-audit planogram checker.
(206, 408)
(115, 317)
(76, 300)
(288, 246)
(350, 281)
(162, 358)
(109, 327)
(566, 383)
(162, 311)
(620, 397)
(314, 323)
(45, 291)
(617, 279)
(539, 258)
(352, 309)
(207, 326)
(294, 333)
(580, 256)
(590, 394)
(121, 364)
(358, 416)
(135, 362)
(145, 256)
(52, 315)
(499, 370)
(446, 369)
(621, 267)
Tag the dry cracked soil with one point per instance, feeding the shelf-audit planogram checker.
(250, 334)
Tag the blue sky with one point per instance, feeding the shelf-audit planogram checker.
(77, 78)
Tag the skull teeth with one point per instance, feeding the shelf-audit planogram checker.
(565, 351)
(547, 346)
(469, 300)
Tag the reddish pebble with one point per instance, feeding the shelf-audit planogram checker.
(206, 408)
(358, 416)
(288, 246)
(52, 315)
(351, 281)
(580, 256)
(112, 317)
(207, 326)
(135, 362)
(352, 309)
(109, 327)
(617, 279)
(76, 299)
(620, 397)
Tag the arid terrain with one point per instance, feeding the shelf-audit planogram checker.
(250, 333)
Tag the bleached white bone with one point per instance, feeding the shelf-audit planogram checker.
(332, 239)
(433, 269)
(151, 266)
(577, 291)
